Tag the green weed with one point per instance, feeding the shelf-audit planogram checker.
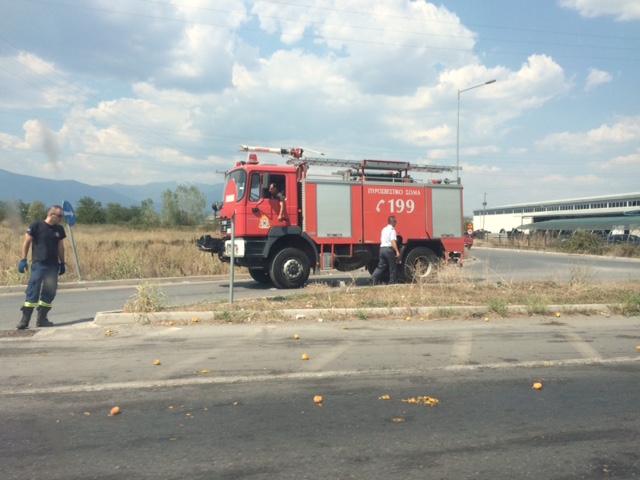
(498, 305)
(148, 299)
(536, 305)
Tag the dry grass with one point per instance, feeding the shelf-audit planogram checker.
(450, 287)
(111, 252)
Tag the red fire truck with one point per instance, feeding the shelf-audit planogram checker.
(334, 221)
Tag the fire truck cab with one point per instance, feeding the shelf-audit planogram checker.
(334, 221)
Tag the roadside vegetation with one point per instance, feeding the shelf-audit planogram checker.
(112, 252)
(581, 242)
(449, 287)
(115, 242)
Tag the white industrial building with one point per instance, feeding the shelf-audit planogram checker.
(610, 212)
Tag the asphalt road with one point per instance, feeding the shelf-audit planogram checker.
(490, 264)
(236, 401)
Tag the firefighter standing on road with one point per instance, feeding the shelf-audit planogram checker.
(46, 237)
(389, 253)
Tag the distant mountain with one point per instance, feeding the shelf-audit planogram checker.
(14, 186)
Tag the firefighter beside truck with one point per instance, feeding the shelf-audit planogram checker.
(334, 221)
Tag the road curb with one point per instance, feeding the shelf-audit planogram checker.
(123, 318)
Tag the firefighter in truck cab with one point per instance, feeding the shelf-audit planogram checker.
(278, 195)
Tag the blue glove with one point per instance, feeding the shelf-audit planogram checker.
(63, 268)
(23, 266)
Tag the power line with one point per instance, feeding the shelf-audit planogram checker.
(362, 41)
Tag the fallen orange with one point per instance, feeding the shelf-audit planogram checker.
(296, 336)
(317, 399)
(537, 386)
(305, 356)
(156, 362)
(114, 411)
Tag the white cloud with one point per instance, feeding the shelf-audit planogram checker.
(390, 48)
(623, 10)
(631, 160)
(625, 130)
(479, 169)
(30, 82)
(596, 78)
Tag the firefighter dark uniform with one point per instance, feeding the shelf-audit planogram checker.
(45, 238)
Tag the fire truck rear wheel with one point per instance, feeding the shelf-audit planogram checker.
(259, 275)
(419, 263)
(290, 268)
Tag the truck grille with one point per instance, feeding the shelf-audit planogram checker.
(225, 226)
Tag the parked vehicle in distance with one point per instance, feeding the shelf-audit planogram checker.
(468, 241)
(623, 238)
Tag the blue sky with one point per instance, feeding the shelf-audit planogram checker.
(139, 91)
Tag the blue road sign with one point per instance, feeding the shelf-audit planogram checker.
(69, 213)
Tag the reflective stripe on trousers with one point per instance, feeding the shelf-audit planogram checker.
(42, 286)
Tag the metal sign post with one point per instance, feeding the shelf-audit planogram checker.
(233, 256)
(70, 218)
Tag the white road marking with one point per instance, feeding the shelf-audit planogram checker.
(461, 351)
(324, 359)
(582, 346)
(310, 376)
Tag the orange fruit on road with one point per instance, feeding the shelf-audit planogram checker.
(305, 356)
(114, 411)
(317, 399)
(537, 386)
(296, 336)
(156, 362)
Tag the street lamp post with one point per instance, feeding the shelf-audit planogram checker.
(484, 214)
(458, 133)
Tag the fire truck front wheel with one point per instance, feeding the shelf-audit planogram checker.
(260, 275)
(290, 268)
(419, 263)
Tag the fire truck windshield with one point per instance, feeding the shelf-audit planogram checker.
(240, 178)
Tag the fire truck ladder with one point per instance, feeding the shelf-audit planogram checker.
(371, 164)
(296, 157)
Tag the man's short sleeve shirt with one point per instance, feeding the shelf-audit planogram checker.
(45, 241)
(387, 235)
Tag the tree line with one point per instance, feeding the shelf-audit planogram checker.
(182, 207)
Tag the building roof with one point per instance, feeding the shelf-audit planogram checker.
(614, 197)
(626, 222)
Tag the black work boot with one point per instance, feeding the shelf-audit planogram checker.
(26, 318)
(42, 320)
